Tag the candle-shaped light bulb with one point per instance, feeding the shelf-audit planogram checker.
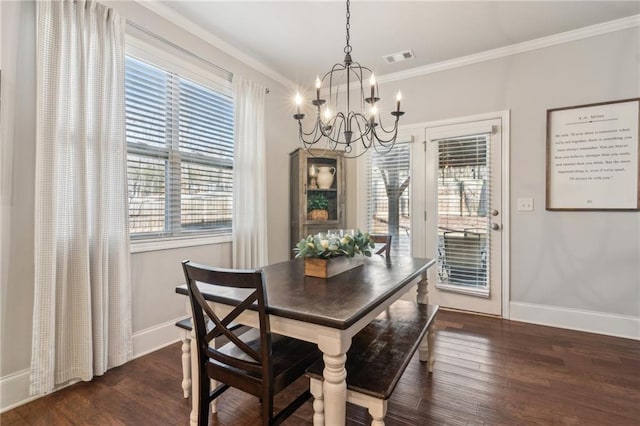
(298, 101)
(327, 114)
(372, 113)
(398, 99)
(372, 82)
(318, 84)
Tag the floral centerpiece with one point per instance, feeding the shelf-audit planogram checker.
(327, 255)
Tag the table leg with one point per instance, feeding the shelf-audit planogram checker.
(424, 350)
(431, 338)
(334, 386)
(423, 291)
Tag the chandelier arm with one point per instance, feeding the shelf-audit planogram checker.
(360, 119)
(365, 137)
(314, 133)
(334, 133)
(334, 69)
(385, 146)
(360, 76)
(391, 140)
(395, 124)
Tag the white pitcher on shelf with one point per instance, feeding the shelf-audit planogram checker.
(325, 176)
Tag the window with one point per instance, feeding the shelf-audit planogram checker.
(180, 154)
(388, 208)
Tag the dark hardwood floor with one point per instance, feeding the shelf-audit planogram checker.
(487, 372)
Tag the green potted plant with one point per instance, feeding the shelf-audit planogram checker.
(317, 205)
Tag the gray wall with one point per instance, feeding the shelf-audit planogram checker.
(576, 260)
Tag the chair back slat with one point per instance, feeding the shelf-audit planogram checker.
(385, 240)
(221, 326)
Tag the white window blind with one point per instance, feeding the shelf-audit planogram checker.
(388, 203)
(463, 194)
(180, 154)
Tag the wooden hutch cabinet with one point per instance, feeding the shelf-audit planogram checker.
(317, 179)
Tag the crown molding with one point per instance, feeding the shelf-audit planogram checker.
(514, 49)
(501, 52)
(187, 25)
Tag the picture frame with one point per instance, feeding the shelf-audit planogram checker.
(592, 158)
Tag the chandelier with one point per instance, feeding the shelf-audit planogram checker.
(361, 127)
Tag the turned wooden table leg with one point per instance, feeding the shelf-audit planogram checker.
(423, 291)
(424, 350)
(431, 353)
(334, 388)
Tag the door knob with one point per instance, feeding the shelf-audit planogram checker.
(494, 212)
(495, 226)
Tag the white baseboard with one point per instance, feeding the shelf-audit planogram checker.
(157, 337)
(14, 388)
(576, 319)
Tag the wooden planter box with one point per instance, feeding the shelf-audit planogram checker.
(327, 268)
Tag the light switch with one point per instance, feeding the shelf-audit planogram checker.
(525, 204)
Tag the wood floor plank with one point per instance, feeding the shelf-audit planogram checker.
(487, 372)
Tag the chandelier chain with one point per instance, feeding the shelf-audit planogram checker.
(347, 48)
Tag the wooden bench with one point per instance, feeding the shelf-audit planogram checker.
(378, 356)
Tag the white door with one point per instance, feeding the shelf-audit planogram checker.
(465, 211)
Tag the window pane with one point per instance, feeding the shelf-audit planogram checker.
(206, 121)
(463, 222)
(146, 181)
(180, 154)
(206, 201)
(146, 104)
(388, 202)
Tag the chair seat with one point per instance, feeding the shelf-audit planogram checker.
(290, 358)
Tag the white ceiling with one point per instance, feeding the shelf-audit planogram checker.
(301, 39)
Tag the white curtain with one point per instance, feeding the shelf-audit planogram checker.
(249, 176)
(82, 298)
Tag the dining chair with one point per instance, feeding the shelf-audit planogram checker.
(258, 362)
(385, 240)
(464, 259)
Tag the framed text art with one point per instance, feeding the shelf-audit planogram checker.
(592, 157)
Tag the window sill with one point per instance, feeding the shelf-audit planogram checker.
(140, 246)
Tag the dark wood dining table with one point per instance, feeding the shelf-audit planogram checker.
(328, 312)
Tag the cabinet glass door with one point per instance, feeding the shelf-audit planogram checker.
(322, 189)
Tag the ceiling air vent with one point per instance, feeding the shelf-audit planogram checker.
(399, 56)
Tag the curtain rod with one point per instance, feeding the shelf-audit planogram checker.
(182, 49)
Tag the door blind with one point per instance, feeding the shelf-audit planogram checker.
(463, 202)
